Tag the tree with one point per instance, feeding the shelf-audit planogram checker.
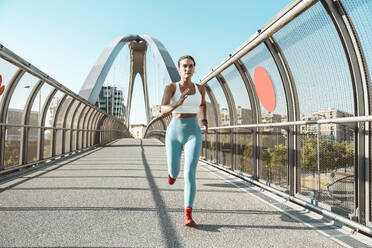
(246, 158)
(278, 162)
(332, 154)
(266, 158)
(279, 154)
(11, 157)
(309, 154)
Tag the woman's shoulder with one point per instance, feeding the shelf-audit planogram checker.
(171, 86)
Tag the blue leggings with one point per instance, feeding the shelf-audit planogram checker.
(184, 132)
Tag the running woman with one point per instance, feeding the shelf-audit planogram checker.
(183, 99)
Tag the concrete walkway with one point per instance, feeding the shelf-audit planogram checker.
(118, 196)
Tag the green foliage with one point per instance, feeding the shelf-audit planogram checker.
(279, 154)
(245, 158)
(332, 154)
(11, 157)
(12, 150)
(309, 154)
(266, 156)
(247, 152)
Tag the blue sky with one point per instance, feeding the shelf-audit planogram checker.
(64, 38)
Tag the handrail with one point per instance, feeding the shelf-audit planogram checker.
(300, 123)
(290, 123)
(154, 120)
(55, 128)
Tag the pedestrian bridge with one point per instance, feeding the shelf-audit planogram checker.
(286, 160)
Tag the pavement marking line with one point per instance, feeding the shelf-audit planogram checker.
(343, 233)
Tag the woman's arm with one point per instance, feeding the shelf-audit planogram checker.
(203, 107)
(166, 107)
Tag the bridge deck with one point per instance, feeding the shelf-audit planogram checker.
(118, 196)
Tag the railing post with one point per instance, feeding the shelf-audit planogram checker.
(72, 125)
(232, 111)
(217, 147)
(318, 161)
(26, 120)
(87, 127)
(4, 105)
(55, 122)
(206, 145)
(40, 139)
(256, 113)
(362, 95)
(81, 115)
(64, 121)
(293, 110)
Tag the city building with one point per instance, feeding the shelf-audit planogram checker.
(270, 118)
(111, 100)
(137, 130)
(244, 116)
(225, 117)
(338, 132)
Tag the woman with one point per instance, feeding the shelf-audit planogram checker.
(183, 100)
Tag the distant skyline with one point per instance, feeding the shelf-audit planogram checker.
(65, 38)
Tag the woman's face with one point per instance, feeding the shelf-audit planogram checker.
(186, 68)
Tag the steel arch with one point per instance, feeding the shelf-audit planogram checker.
(96, 77)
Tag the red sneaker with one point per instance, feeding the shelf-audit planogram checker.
(187, 219)
(171, 180)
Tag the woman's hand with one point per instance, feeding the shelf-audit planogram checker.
(184, 95)
(205, 124)
(166, 107)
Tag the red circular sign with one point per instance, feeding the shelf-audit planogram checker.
(2, 88)
(264, 88)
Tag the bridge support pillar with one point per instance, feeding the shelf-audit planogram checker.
(138, 50)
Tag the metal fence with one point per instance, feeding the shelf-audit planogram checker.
(306, 134)
(41, 120)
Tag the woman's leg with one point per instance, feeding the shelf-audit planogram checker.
(173, 149)
(192, 150)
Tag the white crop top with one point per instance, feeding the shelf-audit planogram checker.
(190, 105)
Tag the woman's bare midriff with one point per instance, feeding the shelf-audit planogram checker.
(178, 115)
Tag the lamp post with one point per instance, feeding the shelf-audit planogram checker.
(28, 87)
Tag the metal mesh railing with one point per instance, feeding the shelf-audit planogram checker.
(41, 120)
(314, 141)
(273, 157)
(325, 163)
(244, 151)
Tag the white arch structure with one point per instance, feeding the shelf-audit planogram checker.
(137, 45)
